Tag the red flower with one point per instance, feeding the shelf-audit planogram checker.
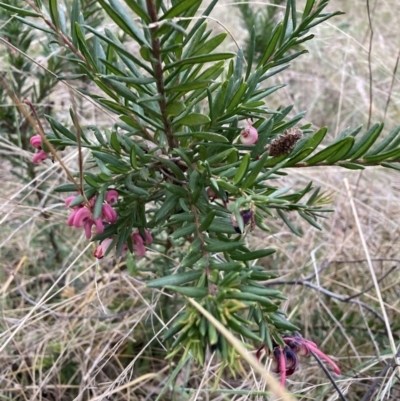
(286, 358)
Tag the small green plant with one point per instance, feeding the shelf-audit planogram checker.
(192, 164)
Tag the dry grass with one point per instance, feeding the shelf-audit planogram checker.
(74, 329)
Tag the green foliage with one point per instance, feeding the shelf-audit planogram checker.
(175, 155)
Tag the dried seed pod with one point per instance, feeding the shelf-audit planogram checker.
(285, 143)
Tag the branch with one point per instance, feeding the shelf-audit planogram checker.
(158, 73)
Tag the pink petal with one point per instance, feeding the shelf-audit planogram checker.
(249, 136)
(149, 238)
(71, 217)
(101, 249)
(82, 216)
(327, 359)
(88, 228)
(99, 225)
(111, 196)
(69, 200)
(109, 213)
(138, 247)
(39, 157)
(36, 141)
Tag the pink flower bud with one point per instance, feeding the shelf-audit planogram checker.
(36, 141)
(111, 196)
(100, 250)
(138, 246)
(249, 135)
(109, 213)
(39, 157)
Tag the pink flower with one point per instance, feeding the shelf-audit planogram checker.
(109, 214)
(249, 135)
(111, 196)
(39, 157)
(36, 141)
(139, 247)
(286, 358)
(101, 249)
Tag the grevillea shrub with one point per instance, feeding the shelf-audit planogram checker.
(193, 163)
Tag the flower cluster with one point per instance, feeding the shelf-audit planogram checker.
(82, 214)
(41, 155)
(286, 358)
(138, 243)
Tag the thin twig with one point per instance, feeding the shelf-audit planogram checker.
(329, 376)
(372, 285)
(391, 85)
(370, 64)
(328, 293)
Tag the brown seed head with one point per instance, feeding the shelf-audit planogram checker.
(285, 143)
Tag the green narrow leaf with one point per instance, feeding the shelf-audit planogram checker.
(310, 220)
(221, 246)
(205, 224)
(84, 48)
(237, 97)
(270, 48)
(18, 10)
(167, 207)
(132, 157)
(121, 18)
(250, 297)
(175, 279)
(352, 166)
(173, 167)
(308, 8)
(391, 165)
(184, 232)
(192, 292)
(179, 8)
(74, 19)
(33, 25)
(98, 204)
(385, 142)
(390, 154)
(251, 177)
(242, 170)
(326, 153)
(242, 329)
(261, 253)
(365, 142)
(341, 154)
(288, 223)
(209, 136)
(206, 58)
(115, 143)
(56, 126)
(282, 324)
(193, 119)
(133, 4)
